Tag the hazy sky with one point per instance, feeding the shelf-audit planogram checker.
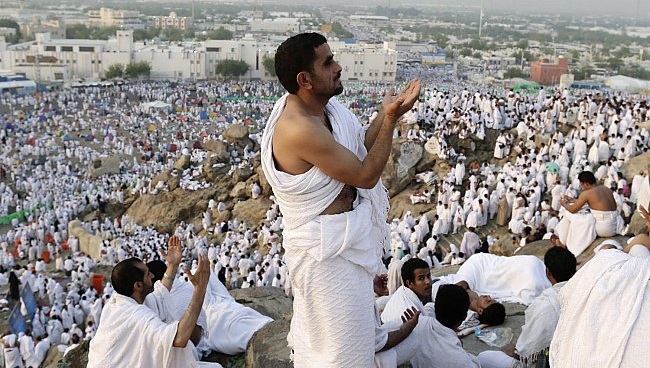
(613, 7)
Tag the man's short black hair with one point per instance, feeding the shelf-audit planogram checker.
(587, 177)
(451, 305)
(561, 263)
(493, 315)
(296, 54)
(125, 274)
(158, 268)
(409, 267)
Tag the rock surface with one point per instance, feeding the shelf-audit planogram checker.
(105, 166)
(88, 243)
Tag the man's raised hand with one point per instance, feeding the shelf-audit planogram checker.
(395, 105)
(201, 277)
(173, 255)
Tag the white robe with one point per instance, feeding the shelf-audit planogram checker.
(517, 279)
(605, 314)
(115, 344)
(332, 259)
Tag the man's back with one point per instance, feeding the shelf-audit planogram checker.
(600, 198)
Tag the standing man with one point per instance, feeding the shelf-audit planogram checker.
(324, 168)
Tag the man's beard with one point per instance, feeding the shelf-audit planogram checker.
(338, 90)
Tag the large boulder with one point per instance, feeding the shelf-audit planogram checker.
(105, 166)
(166, 210)
(88, 243)
(635, 165)
(236, 133)
(252, 211)
(239, 191)
(400, 169)
(216, 146)
(182, 163)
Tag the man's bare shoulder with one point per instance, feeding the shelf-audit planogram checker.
(296, 127)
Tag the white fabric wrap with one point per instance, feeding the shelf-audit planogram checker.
(517, 279)
(116, 345)
(605, 314)
(540, 322)
(403, 299)
(331, 258)
(302, 198)
(439, 345)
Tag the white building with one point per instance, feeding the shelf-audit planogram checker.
(48, 59)
(110, 17)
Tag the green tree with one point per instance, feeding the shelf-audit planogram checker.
(615, 63)
(231, 68)
(340, 32)
(115, 71)
(145, 34)
(269, 65)
(466, 52)
(514, 73)
(173, 34)
(220, 34)
(137, 70)
(8, 23)
(522, 44)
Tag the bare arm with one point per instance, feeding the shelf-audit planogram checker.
(577, 204)
(410, 319)
(314, 144)
(375, 126)
(188, 322)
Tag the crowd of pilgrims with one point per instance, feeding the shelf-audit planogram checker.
(50, 139)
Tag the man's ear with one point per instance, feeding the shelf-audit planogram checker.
(303, 80)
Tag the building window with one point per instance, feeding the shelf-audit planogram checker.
(50, 48)
(213, 49)
(66, 48)
(58, 76)
(86, 49)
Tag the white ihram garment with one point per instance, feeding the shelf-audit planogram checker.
(331, 258)
(116, 345)
(605, 314)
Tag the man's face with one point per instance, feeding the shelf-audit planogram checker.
(478, 303)
(147, 281)
(422, 284)
(326, 74)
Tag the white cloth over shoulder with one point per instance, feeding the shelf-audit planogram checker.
(605, 314)
(403, 299)
(439, 345)
(331, 258)
(539, 325)
(516, 279)
(304, 197)
(116, 345)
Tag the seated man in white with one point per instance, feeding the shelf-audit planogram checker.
(439, 345)
(605, 315)
(540, 319)
(228, 325)
(577, 231)
(394, 342)
(156, 344)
